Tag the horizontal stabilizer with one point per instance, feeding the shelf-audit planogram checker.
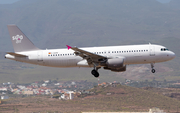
(16, 55)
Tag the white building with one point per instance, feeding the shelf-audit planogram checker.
(44, 85)
(46, 81)
(3, 89)
(4, 97)
(71, 95)
(68, 95)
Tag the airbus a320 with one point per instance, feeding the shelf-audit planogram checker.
(114, 58)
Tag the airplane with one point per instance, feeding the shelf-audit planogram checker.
(114, 58)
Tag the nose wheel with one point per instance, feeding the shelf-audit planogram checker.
(152, 66)
(153, 70)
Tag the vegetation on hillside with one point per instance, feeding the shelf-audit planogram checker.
(113, 98)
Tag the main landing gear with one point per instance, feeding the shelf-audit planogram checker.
(152, 66)
(95, 71)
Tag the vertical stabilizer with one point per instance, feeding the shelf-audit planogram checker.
(19, 40)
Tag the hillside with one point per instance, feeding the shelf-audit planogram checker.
(113, 98)
(53, 24)
(133, 99)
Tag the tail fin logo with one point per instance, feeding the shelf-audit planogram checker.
(18, 38)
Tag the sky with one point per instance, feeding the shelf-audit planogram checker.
(7, 1)
(12, 1)
(164, 1)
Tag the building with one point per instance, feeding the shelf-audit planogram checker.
(28, 92)
(67, 95)
(3, 89)
(71, 95)
(4, 97)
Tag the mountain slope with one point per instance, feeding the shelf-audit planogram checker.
(115, 98)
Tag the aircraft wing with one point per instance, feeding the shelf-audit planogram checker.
(89, 56)
(16, 55)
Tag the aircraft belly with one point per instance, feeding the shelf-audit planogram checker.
(26, 60)
(61, 62)
(137, 60)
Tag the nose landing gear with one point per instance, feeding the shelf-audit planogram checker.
(153, 70)
(152, 66)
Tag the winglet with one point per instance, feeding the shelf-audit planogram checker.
(69, 47)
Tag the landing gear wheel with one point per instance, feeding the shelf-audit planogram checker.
(95, 73)
(152, 66)
(153, 70)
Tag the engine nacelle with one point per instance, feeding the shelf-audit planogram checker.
(115, 63)
(116, 70)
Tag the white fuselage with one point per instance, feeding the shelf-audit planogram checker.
(133, 54)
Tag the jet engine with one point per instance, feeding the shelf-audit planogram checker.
(115, 64)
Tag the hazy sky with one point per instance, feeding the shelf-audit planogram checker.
(12, 1)
(164, 1)
(7, 1)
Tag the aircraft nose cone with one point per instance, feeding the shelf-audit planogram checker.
(172, 55)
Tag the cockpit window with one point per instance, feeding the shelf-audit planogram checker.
(164, 49)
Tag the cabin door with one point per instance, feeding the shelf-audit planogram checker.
(40, 56)
(152, 50)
